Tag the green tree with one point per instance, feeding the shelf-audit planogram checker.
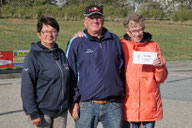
(28, 2)
(2, 2)
(152, 10)
(102, 2)
(185, 3)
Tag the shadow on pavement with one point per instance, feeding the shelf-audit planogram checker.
(10, 112)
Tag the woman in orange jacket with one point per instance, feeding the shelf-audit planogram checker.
(145, 69)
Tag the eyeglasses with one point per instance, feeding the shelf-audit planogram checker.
(49, 32)
(136, 31)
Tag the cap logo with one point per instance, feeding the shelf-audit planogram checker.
(94, 9)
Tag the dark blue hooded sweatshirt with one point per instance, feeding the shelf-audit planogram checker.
(46, 82)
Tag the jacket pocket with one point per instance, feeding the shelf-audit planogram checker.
(42, 89)
(149, 74)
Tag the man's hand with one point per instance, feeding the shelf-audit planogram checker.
(158, 62)
(74, 110)
(78, 34)
(36, 121)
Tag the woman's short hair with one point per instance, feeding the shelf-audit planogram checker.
(138, 19)
(47, 21)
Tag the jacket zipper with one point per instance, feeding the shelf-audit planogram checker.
(100, 44)
(62, 93)
(139, 92)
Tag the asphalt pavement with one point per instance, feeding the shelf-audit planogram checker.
(176, 94)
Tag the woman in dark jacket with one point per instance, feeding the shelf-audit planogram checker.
(46, 78)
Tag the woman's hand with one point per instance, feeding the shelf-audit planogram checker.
(158, 62)
(36, 121)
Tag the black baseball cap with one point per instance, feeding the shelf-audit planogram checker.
(93, 9)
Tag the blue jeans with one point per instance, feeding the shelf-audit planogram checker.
(138, 124)
(109, 114)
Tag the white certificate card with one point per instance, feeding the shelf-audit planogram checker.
(144, 57)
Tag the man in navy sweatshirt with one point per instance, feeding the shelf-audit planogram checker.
(97, 61)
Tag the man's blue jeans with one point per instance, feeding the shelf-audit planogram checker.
(138, 124)
(109, 114)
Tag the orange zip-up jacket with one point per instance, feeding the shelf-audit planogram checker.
(143, 99)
